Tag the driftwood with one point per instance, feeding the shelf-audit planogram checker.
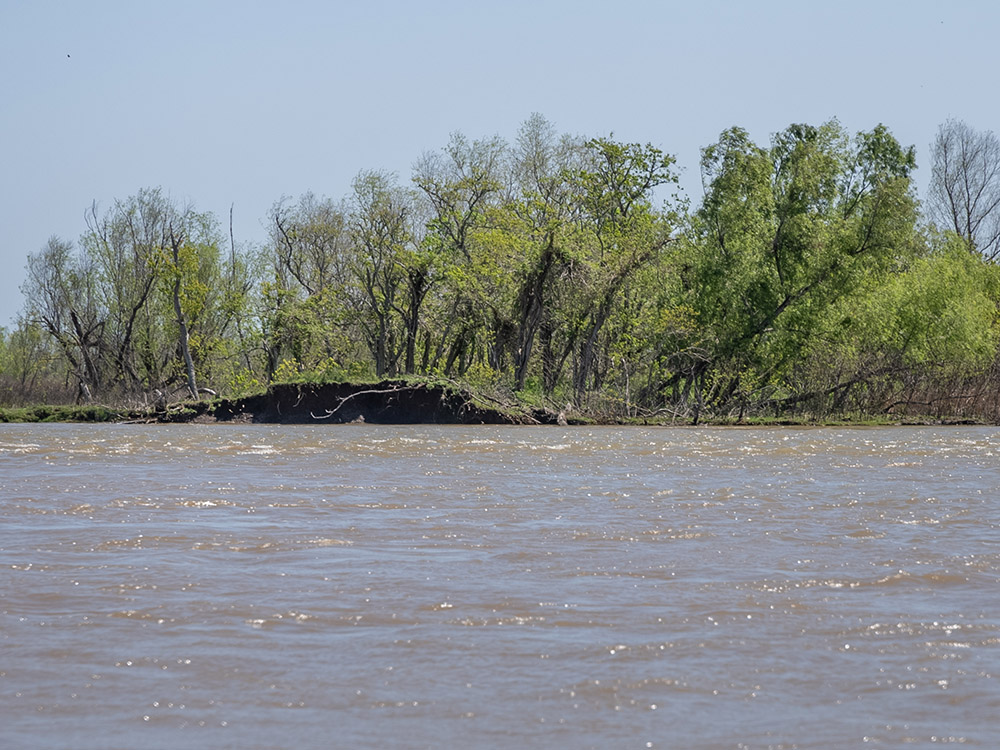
(454, 400)
(371, 391)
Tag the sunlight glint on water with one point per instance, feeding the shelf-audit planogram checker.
(373, 586)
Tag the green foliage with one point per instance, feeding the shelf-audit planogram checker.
(243, 383)
(803, 285)
(44, 413)
(784, 235)
(940, 313)
(481, 376)
(327, 371)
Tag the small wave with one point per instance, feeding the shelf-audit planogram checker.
(944, 579)
(330, 542)
(138, 614)
(865, 534)
(204, 503)
(673, 534)
(278, 618)
(901, 577)
(510, 620)
(249, 547)
(19, 447)
(934, 635)
(258, 450)
(111, 544)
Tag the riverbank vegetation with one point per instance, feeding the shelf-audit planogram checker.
(564, 273)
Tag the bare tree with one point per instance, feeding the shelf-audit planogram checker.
(311, 242)
(965, 185)
(177, 238)
(61, 296)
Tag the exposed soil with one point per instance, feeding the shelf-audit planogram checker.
(388, 402)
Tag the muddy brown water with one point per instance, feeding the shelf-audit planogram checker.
(376, 586)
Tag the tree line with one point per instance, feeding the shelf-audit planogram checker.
(809, 279)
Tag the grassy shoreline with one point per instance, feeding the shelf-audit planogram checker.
(478, 408)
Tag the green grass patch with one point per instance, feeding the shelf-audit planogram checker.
(48, 413)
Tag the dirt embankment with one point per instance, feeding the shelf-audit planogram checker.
(388, 402)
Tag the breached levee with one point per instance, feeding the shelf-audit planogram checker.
(386, 402)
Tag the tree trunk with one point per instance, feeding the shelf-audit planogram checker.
(532, 306)
(192, 385)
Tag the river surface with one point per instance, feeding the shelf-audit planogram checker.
(371, 586)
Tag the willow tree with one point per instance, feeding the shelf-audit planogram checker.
(543, 163)
(784, 232)
(460, 184)
(619, 232)
(62, 297)
(129, 247)
(30, 366)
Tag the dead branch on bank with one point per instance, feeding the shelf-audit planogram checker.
(369, 392)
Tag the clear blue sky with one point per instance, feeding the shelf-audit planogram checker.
(240, 103)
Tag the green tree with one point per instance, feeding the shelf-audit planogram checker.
(932, 321)
(62, 296)
(618, 232)
(543, 165)
(460, 184)
(128, 245)
(191, 259)
(782, 234)
(303, 309)
(380, 229)
(140, 307)
(30, 370)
